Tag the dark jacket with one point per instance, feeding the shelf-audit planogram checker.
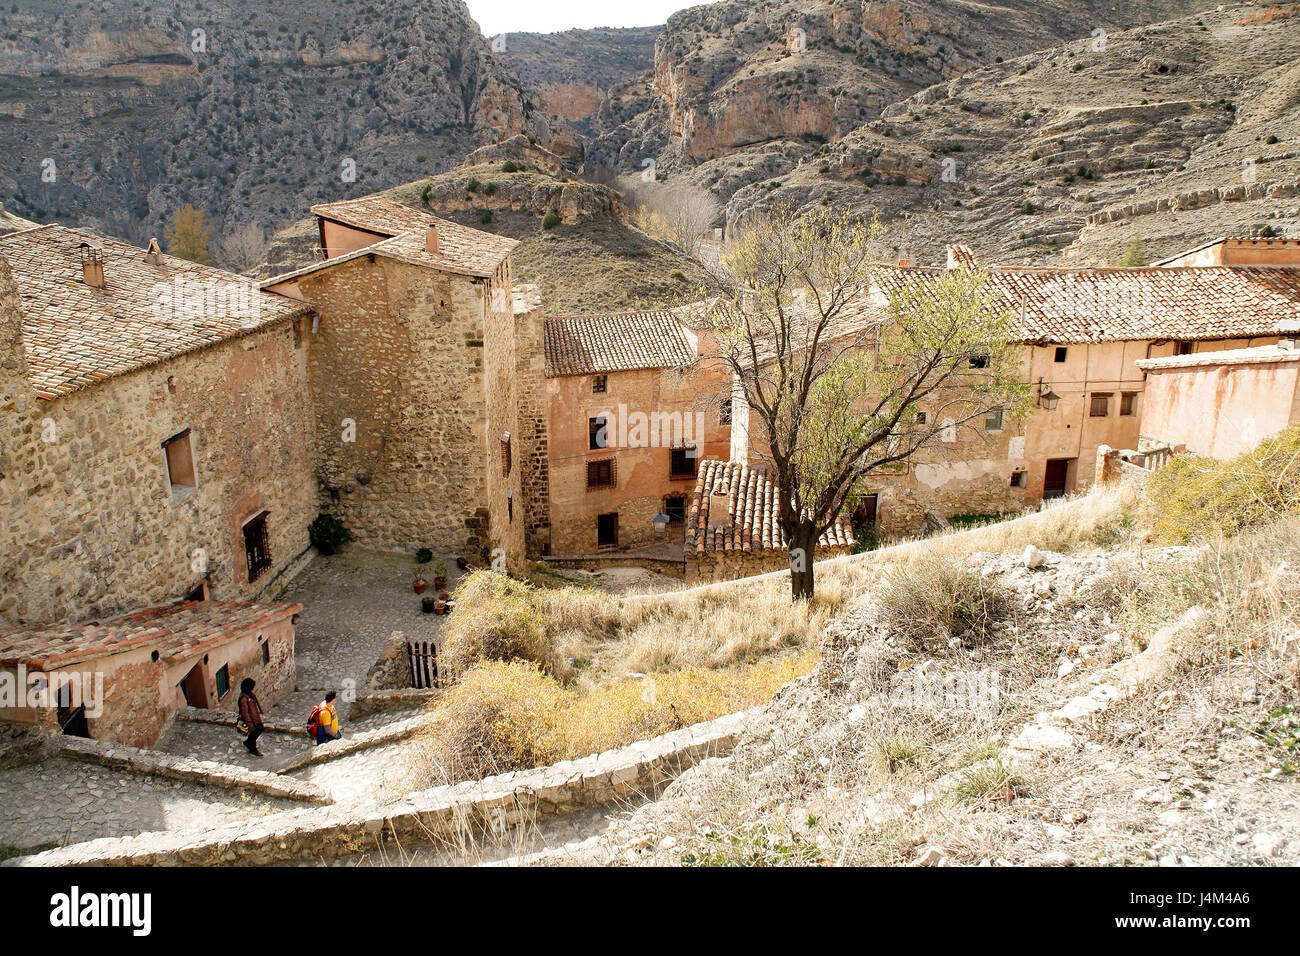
(250, 709)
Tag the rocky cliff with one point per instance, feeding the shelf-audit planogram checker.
(1030, 130)
(569, 73)
(113, 114)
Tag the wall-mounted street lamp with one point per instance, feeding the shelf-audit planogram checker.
(1047, 399)
(661, 522)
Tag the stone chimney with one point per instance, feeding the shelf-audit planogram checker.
(92, 265)
(720, 510)
(431, 239)
(155, 253)
(904, 263)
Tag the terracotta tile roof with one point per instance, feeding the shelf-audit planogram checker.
(1260, 354)
(752, 520)
(76, 335)
(1075, 306)
(583, 345)
(461, 250)
(178, 630)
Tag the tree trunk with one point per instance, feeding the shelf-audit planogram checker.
(802, 543)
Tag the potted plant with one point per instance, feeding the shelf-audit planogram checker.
(440, 576)
(428, 605)
(440, 606)
(419, 583)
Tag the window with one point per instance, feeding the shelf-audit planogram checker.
(993, 420)
(596, 437)
(257, 550)
(600, 474)
(1186, 348)
(266, 652)
(223, 681)
(1020, 479)
(922, 418)
(979, 361)
(675, 508)
(197, 593)
(1100, 407)
(607, 530)
(683, 463)
(598, 384)
(180, 461)
(505, 453)
(1128, 403)
(724, 412)
(1061, 353)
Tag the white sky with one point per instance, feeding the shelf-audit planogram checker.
(552, 16)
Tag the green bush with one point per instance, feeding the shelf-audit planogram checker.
(509, 166)
(327, 534)
(551, 219)
(473, 185)
(1200, 499)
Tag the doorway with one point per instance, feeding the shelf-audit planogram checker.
(1056, 477)
(194, 687)
(607, 530)
(72, 720)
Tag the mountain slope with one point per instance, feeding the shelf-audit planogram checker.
(115, 115)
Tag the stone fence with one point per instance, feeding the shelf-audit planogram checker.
(495, 803)
(205, 773)
(1128, 465)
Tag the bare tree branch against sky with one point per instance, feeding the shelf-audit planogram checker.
(521, 16)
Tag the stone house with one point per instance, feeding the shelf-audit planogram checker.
(734, 529)
(123, 679)
(630, 413)
(155, 430)
(1083, 333)
(426, 392)
(1220, 404)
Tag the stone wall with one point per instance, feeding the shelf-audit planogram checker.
(534, 456)
(504, 358)
(636, 771)
(91, 525)
(728, 565)
(397, 373)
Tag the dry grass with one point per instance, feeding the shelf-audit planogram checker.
(1195, 499)
(510, 715)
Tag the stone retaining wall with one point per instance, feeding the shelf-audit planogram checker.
(386, 700)
(205, 773)
(640, 769)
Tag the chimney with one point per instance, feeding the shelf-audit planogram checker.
(155, 253)
(961, 256)
(431, 239)
(92, 265)
(720, 510)
(904, 263)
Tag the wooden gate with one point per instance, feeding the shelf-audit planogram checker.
(426, 670)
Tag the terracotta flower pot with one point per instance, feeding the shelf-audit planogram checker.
(440, 607)
(419, 584)
(444, 596)
(440, 584)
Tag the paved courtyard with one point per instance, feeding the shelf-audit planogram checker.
(352, 602)
(62, 801)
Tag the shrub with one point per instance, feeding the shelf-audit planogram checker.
(939, 595)
(327, 534)
(473, 185)
(509, 166)
(490, 189)
(551, 219)
(496, 619)
(1200, 499)
(500, 717)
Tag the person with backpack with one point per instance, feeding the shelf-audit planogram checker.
(250, 716)
(323, 723)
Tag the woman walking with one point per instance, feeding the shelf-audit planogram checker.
(250, 712)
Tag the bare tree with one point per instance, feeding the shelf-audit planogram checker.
(244, 247)
(678, 213)
(835, 362)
